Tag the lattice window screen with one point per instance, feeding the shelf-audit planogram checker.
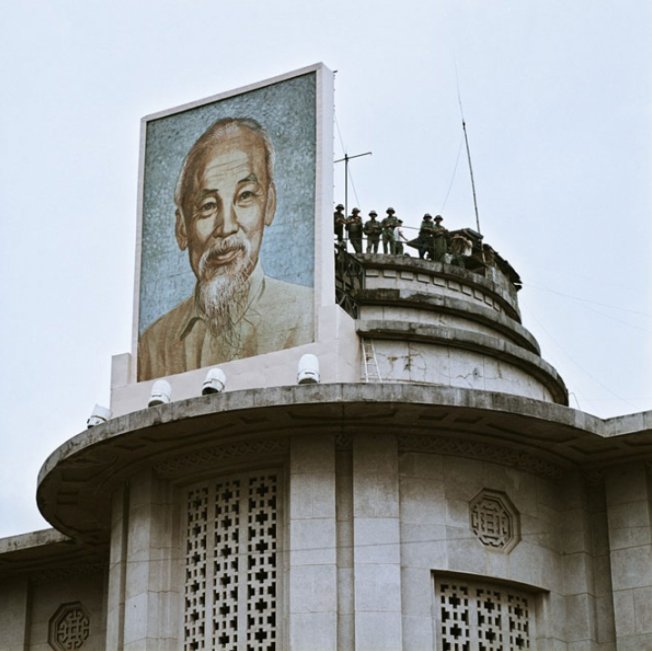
(196, 566)
(231, 573)
(482, 617)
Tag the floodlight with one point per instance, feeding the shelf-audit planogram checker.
(215, 381)
(161, 393)
(98, 416)
(308, 370)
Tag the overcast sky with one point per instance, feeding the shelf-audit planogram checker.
(557, 97)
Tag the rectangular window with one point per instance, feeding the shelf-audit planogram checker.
(231, 564)
(474, 616)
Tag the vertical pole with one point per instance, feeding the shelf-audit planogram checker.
(346, 185)
(346, 177)
(468, 154)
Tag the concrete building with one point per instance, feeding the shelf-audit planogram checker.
(446, 498)
(433, 491)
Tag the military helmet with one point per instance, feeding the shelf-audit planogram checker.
(355, 211)
(390, 209)
(339, 207)
(439, 218)
(427, 216)
(374, 213)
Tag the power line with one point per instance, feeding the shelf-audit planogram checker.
(450, 185)
(353, 186)
(572, 359)
(586, 300)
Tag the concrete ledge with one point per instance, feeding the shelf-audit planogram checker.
(46, 555)
(505, 294)
(243, 428)
(448, 305)
(30, 540)
(468, 340)
(629, 424)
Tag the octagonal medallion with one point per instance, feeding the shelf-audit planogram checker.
(70, 627)
(495, 520)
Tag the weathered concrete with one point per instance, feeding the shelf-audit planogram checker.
(472, 311)
(76, 482)
(381, 497)
(42, 553)
(396, 272)
(464, 340)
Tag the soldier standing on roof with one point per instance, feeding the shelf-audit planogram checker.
(354, 228)
(440, 246)
(339, 220)
(389, 224)
(426, 236)
(372, 230)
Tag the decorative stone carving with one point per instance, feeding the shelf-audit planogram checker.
(495, 521)
(483, 617)
(230, 566)
(479, 450)
(70, 627)
(191, 462)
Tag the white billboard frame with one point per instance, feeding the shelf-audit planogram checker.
(323, 280)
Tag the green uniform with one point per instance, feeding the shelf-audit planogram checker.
(426, 237)
(354, 228)
(338, 222)
(440, 245)
(389, 224)
(372, 229)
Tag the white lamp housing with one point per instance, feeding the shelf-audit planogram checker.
(98, 416)
(308, 370)
(215, 381)
(161, 393)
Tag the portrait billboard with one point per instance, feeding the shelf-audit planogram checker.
(226, 266)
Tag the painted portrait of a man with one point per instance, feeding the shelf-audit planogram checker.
(224, 203)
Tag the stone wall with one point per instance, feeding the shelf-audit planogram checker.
(42, 612)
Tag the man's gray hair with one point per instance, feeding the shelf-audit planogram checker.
(225, 126)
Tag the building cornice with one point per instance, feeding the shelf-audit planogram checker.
(77, 480)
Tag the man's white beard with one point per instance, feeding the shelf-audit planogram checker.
(223, 295)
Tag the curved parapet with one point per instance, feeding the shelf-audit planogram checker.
(403, 272)
(215, 432)
(441, 324)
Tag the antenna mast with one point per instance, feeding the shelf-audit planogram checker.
(468, 151)
(346, 160)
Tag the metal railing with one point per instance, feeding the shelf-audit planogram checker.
(349, 279)
(481, 259)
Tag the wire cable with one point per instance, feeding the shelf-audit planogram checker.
(354, 190)
(339, 133)
(586, 300)
(450, 185)
(572, 359)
